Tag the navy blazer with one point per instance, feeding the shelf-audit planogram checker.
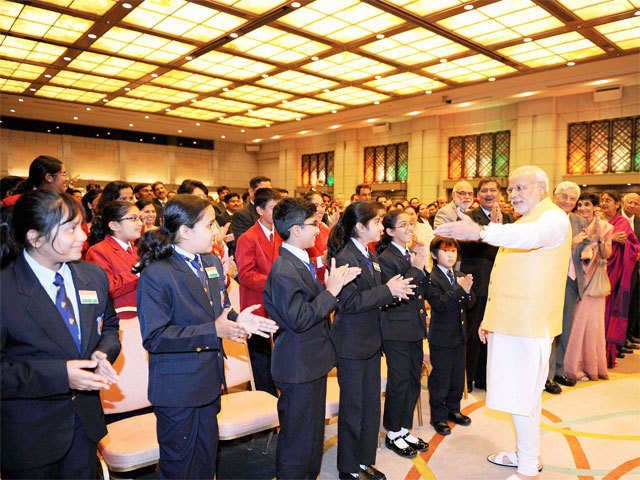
(177, 322)
(356, 326)
(302, 349)
(449, 306)
(404, 320)
(38, 407)
(243, 220)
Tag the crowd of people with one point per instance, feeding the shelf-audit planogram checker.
(322, 283)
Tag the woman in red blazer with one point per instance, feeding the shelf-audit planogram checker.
(318, 253)
(118, 227)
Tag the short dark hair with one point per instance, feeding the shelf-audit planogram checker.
(486, 180)
(438, 242)
(221, 189)
(283, 190)
(227, 198)
(263, 195)
(188, 186)
(289, 212)
(361, 186)
(380, 196)
(591, 197)
(158, 182)
(255, 181)
(433, 204)
(140, 186)
(326, 195)
(353, 196)
(245, 195)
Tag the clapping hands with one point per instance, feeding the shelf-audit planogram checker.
(336, 278)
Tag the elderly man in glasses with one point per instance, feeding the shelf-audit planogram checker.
(462, 198)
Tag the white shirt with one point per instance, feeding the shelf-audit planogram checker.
(364, 250)
(486, 212)
(190, 256)
(446, 272)
(548, 231)
(46, 278)
(299, 253)
(266, 231)
(630, 219)
(403, 251)
(124, 246)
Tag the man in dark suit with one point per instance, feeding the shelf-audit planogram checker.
(244, 219)
(219, 206)
(477, 259)
(631, 211)
(232, 204)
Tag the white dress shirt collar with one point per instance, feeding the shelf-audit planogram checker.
(266, 231)
(124, 245)
(297, 252)
(403, 251)
(364, 250)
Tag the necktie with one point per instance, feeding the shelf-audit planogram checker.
(66, 311)
(270, 237)
(407, 256)
(130, 250)
(451, 277)
(312, 270)
(367, 258)
(202, 275)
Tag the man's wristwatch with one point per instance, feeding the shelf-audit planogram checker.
(482, 233)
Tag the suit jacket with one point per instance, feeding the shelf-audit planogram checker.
(178, 330)
(302, 349)
(243, 220)
(356, 326)
(255, 256)
(404, 320)
(117, 264)
(478, 257)
(445, 215)
(448, 310)
(38, 407)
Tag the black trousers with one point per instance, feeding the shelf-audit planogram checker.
(260, 355)
(188, 440)
(301, 409)
(446, 381)
(476, 350)
(79, 462)
(404, 366)
(359, 412)
(633, 327)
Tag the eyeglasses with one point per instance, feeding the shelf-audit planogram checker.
(315, 223)
(62, 174)
(465, 194)
(133, 218)
(403, 226)
(585, 261)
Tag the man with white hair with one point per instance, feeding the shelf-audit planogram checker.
(462, 198)
(524, 307)
(631, 211)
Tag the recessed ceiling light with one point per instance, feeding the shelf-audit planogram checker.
(468, 7)
(414, 113)
(193, 100)
(333, 127)
(256, 140)
(131, 124)
(334, 111)
(583, 186)
(194, 142)
(428, 92)
(154, 75)
(66, 59)
(188, 57)
(600, 82)
(527, 39)
(225, 89)
(314, 58)
(284, 101)
(127, 89)
(637, 13)
(32, 89)
(147, 117)
(105, 100)
(376, 102)
(380, 36)
(108, 133)
(197, 124)
(223, 136)
(378, 77)
(179, 131)
(233, 35)
(326, 90)
(295, 4)
(443, 60)
(140, 139)
(303, 132)
(275, 137)
(126, 5)
(570, 64)
(49, 130)
(88, 109)
(628, 184)
(267, 126)
(242, 131)
(92, 35)
(21, 100)
(465, 104)
(12, 111)
(75, 118)
(492, 79)
(167, 109)
(370, 120)
(250, 110)
(264, 75)
(46, 75)
(298, 119)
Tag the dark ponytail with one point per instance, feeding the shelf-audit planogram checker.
(357, 212)
(38, 210)
(39, 168)
(183, 209)
(111, 212)
(110, 193)
(8, 248)
(389, 221)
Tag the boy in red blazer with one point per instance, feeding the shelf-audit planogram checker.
(256, 251)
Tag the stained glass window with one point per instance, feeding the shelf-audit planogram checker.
(477, 156)
(317, 169)
(604, 146)
(386, 163)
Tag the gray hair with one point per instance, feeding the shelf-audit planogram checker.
(460, 184)
(567, 185)
(537, 173)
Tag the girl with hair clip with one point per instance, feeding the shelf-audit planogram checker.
(184, 312)
(404, 326)
(356, 336)
(113, 236)
(58, 336)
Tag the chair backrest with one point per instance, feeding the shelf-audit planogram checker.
(132, 365)
(237, 366)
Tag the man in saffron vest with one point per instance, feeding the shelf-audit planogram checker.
(524, 307)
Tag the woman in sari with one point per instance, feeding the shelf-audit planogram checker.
(586, 355)
(625, 246)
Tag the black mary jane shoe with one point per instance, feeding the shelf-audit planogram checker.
(372, 473)
(406, 452)
(419, 446)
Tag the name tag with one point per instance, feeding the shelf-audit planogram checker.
(212, 272)
(376, 267)
(88, 296)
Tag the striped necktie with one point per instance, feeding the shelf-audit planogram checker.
(66, 311)
(451, 277)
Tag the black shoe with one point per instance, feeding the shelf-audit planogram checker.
(563, 380)
(480, 386)
(347, 476)
(441, 428)
(625, 350)
(371, 473)
(406, 452)
(419, 446)
(632, 346)
(460, 419)
(634, 339)
(552, 387)
(619, 355)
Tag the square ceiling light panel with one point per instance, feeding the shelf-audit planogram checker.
(297, 82)
(426, 7)
(141, 45)
(249, 93)
(184, 19)
(469, 69)
(13, 86)
(588, 9)
(223, 105)
(501, 21)
(195, 113)
(137, 104)
(191, 81)
(86, 81)
(242, 121)
(341, 20)
(20, 70)
(348, 66)
(40, 23)
(353, 96)
(69, 94)
(311, 106)
(276, 45)
(624, 33)
(20, 48)
(275, 114)
(253, 6)
(405, 84)
(161, 94)
(418, 45)
(552, 50)
(228, 66)
(110, 66)
(97, 7)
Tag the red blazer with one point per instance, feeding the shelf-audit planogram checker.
(117, 264)
(319, 249)
(254, 257)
